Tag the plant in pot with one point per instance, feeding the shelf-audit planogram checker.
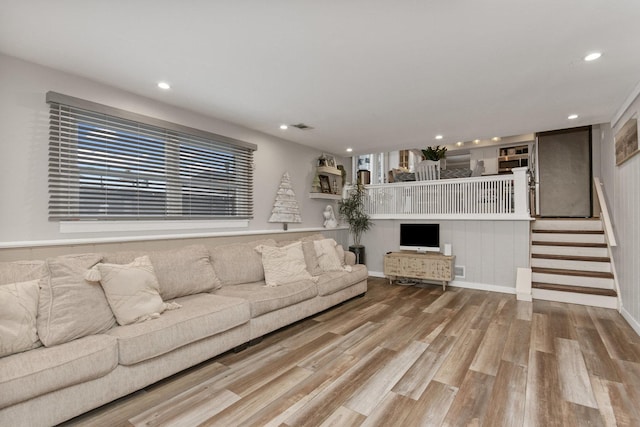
(434, 153)
(352, 210)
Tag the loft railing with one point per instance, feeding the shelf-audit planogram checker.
(487, 197)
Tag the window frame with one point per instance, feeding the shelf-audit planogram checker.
(188, 166)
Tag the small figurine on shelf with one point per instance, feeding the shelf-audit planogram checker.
(329, 217)
(315, 185)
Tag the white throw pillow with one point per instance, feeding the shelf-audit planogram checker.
(18, 309)
(328, 256)
(132, 290)
(283, 265)
(70, 307)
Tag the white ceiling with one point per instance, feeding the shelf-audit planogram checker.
(367, 74)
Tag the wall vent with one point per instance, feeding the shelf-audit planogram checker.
(459, 271)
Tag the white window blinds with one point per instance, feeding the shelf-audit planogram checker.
(106, 163)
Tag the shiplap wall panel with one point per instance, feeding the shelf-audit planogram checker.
(623, 195)
(490, 251)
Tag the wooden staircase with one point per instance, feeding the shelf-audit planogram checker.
(570, 262)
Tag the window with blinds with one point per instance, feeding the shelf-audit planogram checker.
(106, 163)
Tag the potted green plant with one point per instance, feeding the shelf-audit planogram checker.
(434, 153)
(352, 210)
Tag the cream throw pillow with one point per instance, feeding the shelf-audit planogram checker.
(18, 310)
(283, 265)
(328, 256)
(132, 290)
(69, 307)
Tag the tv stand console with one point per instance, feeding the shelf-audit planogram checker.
(426, 266)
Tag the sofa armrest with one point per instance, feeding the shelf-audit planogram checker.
(349, 258)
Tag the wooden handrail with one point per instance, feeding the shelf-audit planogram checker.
(604, 212)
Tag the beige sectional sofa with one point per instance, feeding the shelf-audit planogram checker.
(74, 356)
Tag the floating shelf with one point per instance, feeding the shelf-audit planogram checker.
(328, 170)
(325, 196)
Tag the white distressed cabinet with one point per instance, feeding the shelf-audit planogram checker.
(414, 265)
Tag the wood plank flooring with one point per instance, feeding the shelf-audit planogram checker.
(411, 356)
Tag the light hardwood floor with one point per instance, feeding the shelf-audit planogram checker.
(411, 356)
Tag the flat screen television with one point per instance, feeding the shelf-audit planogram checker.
(420, 237)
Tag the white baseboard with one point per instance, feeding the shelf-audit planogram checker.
(630, 320)
(483, 287)
(377, 274)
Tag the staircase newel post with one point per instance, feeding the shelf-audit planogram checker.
(520, 192)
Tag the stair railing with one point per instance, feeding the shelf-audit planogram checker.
(601, 204)
(604, 212)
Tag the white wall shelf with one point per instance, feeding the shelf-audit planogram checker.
(325, 196)
(328, 170)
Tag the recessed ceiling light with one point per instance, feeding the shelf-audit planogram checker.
(284, 127)
(164, 85)
(495, 138)
(459, 143)
(439, 136)
(476, 141)
(572, 117)
(592, 56)
(349, 150)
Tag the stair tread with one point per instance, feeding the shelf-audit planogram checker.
(565, 218)
(565, 272)
(576, 244)
(567, 231)
(576, 289)
(573, 257)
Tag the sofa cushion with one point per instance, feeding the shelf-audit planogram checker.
(131, 290)
(18, 310)
(201, 316)
(264, 299)
(180, 272)
(239, 262)
(283, 265)
(332, 282)
(328, 256)
(70, 307)
(46, 369)
(21, 271)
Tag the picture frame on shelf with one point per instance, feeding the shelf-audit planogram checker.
(331, 161)
(326, 160)
(325, 185)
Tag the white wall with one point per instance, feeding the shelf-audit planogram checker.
(24, 144)
(622, 190)
(490, 251)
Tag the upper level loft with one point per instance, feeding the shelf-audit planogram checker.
(485, 180)
(497, 197)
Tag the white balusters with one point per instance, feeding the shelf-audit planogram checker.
(487, 197)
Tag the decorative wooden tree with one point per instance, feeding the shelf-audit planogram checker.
(285, 208)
